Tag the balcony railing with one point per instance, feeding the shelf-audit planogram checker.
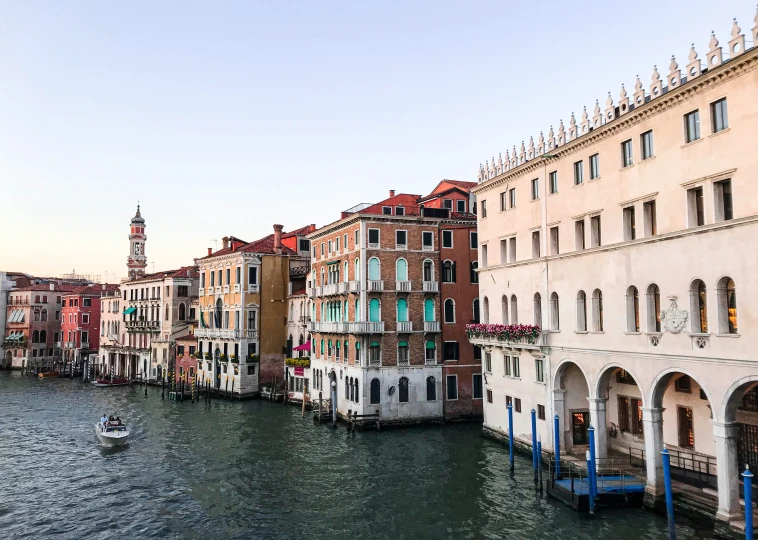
(225, 333)
(403, 286)
(201, 291)
(374, 362)
(236, 287)
(330, 289)
(217, 289)
(366, 327)
(342, 287)
(405, 326)
(355, 286)
(315, 291)
(431, 326)
(375, 285)
(431, 286)
(431, 361)
(253, 288)
(427, 248)
(142, 325)
(373, 245)
(403, 362)
(226, 288)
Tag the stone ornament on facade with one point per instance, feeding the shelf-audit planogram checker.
(673, 318)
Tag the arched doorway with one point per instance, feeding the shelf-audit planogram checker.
(622, 399)
(572, 404)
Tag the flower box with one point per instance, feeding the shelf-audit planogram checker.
(524, 333)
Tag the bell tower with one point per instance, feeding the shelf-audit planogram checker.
(136, 262)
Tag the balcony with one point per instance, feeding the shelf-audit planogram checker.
(373, 245)
(404, 326)
(315, 291)
(374, 361)
(430, 361)
(355, 286)
(375, 285)
(142, 326)
(201, 291)
(217, 289)
(431, 326)
(57, 344)
(427, 248)
(328, 290)
(365, 327)
(236, 288)
(225, 333)
(403, 286)
(253, 288)
(226, 288)
(431, 286)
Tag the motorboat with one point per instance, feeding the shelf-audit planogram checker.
(115, 381)
(50, 374)
(112, 433)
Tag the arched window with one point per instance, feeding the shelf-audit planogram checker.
(345, 277)
(476, 312)
(375, 392)
(357, 314)
(347, 352)
(726, 295)
(402, 310)
(347, 389)
(373, 269)
(581, 311)
(43, 336)
(504, 308)
(538, 310)
(357, 270)
(431, 389)
(597, 310)
(44, 314)
(402, 353)
(357, 352)
(35, 336)
(449, 311)
(322, 347)
(292, 310)
(555, 312)
(357, 392)
(632, 309)
(429, 310)
(322, 277)
(430, 355)
(374, 314)
(474, 273)
(182, 312)
(698, 307)
(428, 270)
(401, 270)
(375, 354)
(653, 308)
(102, 328)
(403, 394)
(448, 272)
(345, 312)
(514, 309)
(486, 311)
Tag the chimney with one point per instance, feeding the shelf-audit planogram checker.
(392, 193)
(210, 251)
(225, 242)
(52, 286)
(103, 286)
(278, 239)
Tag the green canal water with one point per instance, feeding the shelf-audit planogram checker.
(258, 470)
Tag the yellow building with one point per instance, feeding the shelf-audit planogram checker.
(243, 309)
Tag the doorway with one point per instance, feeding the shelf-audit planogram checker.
(580, 421)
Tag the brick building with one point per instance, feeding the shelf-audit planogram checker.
(80, 323)
(376, 309)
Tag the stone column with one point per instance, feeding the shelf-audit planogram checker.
(652, 421)
(726, 435)
(559, 406)
(598, 421)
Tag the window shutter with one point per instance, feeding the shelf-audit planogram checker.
(471, 271)
(454, 278)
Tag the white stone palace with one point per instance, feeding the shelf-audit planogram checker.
(630, 240)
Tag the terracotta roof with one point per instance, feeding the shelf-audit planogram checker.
(461, 183)
(302, 231)
(46, 287)
(188, 337)
(298, 292)
(179, 272)
(264, 245)
(94, 290)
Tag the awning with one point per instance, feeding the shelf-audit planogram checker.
(374, 343)
(402, 344)
(129, 311)
(303, 347)
(202, 321)
(430, 344)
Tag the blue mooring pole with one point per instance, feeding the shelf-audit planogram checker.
(557, 438)
(592, 474)
(666, 457)
(589, 484)
(539, 461)
(534, 444)
(748, 481)
(510, 434)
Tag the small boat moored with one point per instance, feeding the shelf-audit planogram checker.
(112, 433)
(115, 381)
(49, 374)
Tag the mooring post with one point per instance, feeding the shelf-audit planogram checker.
(510, 434)
(231, 396)
(666, 458)
(163, 382)
(539, 459)
(593, 462)
(534, 444)
(226, 386)
(589, 484)
(557, 439)
(748, 487)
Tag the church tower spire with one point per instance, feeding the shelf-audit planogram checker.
(136, 262)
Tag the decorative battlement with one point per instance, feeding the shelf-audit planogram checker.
(658, 87)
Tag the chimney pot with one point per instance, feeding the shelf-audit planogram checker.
(278, 238)
(225, 242)
(210, 251)
(392, 193)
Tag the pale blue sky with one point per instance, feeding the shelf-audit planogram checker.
(224, 118)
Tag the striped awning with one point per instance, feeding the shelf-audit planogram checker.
(15, 337)
(130, 310)
(16, 316)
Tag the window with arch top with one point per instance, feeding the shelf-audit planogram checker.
(537, 309)
(653, 308)
(514, 309)
(375, 393)
(401, 270)
(555, 312)
(449, 311)
(581, 311)
(429, 310)
(632, 309)
(402, 310)
(374, 314)
(726, 295)
(486, 311)
(373, 269)
(428, 270)
(698, 307)
(597, 310)
(448, 272)
(403, 391)
(476, 312)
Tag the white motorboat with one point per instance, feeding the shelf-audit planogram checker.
(110, 434)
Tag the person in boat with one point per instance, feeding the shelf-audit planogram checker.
(104, 420)
(118, 421)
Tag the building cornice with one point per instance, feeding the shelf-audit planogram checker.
(722, 74)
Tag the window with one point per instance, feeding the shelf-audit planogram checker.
(357, 238)
(698, 307)
(503, 251)
(632, 309)
(535, 244)
(719, 121)
(514, 309)
(696, 213)
(85, 337)
(648, 214)
(597, 310)
(401, 270)
(387, 210)
(403, 394)
(512, 197)
(489, 396)
(402, 353)
(337, 244)
(430, 354)
(691, 126)
(431, 389)
(373, 269)
(450, 350)
(304, 245)
(595, 240)
(449, 311)
(427, 241)
(252, 275)
(555, 322)
(85, 318)
(452, 387)
(512, 249)
(540, 412)
(460, 205)
(486, 311)
(537, 308)
(448, 272)
(484, 256)
(488, 362)
(653, 308)
(87, 302)
(507, 366)
(646, 142)
(447, 239)
(553, 181)
(726, 296)
(508, 401)
(684, 425)
(627, 159)
(374, 314)
(722, 192)
(554, 244)
(594, 166)
(402, 310)
(447, 203)
(535, 189)
(429, 310)
(375, 395)
(630, 232)
(578, 172)
(474, 240)
(57, 315)
(517, 405)
(579, 233)
(484, 209)
(373, 238)
(539, 370)
(428, 270)
(581, 312)
(476, 311)
(504, 200)
(477, 386)
(401, 239)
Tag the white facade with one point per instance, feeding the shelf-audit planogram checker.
(5, 286)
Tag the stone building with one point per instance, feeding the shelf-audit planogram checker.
(80, 324)
(297, 373)
(243, 308)
(628, 239)
(111, 327)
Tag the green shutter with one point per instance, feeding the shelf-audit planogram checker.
(430, 344)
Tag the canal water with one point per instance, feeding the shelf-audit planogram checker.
(258, 470)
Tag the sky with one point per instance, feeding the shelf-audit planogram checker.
(223, 118)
